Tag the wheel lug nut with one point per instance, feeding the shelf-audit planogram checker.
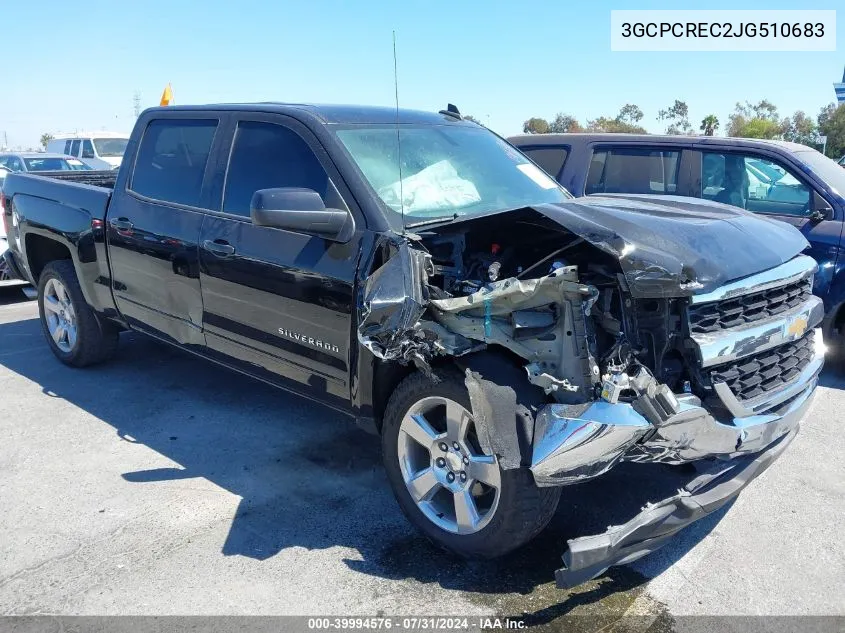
(456, 446)
(466, 460)
(450, 477)
(441, 462)
(463, 476)
(444, 447)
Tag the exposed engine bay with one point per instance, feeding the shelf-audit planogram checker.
(526, 284)
(639, 344)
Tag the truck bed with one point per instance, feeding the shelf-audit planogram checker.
(100, 178)
(51, 195)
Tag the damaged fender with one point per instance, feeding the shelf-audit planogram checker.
(395, 297)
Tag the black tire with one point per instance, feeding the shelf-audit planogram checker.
(523, 510)
(96, 340)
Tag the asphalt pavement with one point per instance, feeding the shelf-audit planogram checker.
(161, 484)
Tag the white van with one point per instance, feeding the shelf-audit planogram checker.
(101, 150)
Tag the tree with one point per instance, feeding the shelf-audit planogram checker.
(46, 138)
(536, 125)
(709, 124)
(832, 125)
(630, 114)
(758, 120)
(800, 128)
(677, 117)
(825, 113)
(624, 122)
(565, 123)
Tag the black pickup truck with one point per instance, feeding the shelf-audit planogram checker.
(420, 275)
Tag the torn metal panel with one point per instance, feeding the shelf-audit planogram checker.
(494, 415)
(503, 406)
(590, 556)
(443, 341)
(395, 297)
(541, 320)
(670, 246)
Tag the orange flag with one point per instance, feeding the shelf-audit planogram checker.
(166, 96)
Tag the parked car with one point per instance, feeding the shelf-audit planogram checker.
(505, 339)
(40, 161)
(784, 181)
(842, 161)
(102, 150)
(6, 277)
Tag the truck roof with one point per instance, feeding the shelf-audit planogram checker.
(557, 139)
(328, 114)
(35, 154)
(63, 136)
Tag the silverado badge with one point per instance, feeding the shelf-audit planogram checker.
(309, 340)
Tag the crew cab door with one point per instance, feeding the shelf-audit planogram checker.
(278, 302)
(765, 183)
(153, 228)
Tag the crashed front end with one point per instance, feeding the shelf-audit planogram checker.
(632, 368)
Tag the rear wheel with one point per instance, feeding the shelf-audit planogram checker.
(447, 487)
(74, 333)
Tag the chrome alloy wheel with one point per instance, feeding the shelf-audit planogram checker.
(59, 314)
(451, 481)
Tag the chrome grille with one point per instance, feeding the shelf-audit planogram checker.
(756, 306)
(768, 371)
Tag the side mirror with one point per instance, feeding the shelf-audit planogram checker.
(821, 209)
(302, 211)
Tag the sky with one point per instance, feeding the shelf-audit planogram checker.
(77, 65)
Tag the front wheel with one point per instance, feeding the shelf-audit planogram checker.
(75, 334)
(456, 495)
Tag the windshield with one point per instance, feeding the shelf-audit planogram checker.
(110, 147)
(447, 170)
(54, 164)
(826, 169)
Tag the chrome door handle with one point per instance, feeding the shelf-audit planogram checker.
(220, 247)
(121, 224)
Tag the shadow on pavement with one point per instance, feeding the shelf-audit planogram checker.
(307, 477)
(10, 295)
(833, 375)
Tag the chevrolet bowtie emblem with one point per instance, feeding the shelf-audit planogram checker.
(797, 327)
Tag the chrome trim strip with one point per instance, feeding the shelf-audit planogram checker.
(725, 346)
(791, 271)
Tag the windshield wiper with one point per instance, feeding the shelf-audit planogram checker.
(442, 218)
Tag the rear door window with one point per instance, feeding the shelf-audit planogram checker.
(172, 158)
(550, 159)
(634, 170)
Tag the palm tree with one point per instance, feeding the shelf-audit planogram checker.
(709, 124)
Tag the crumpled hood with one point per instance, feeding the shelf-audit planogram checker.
(670, 246)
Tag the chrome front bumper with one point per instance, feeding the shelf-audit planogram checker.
(573, 443)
